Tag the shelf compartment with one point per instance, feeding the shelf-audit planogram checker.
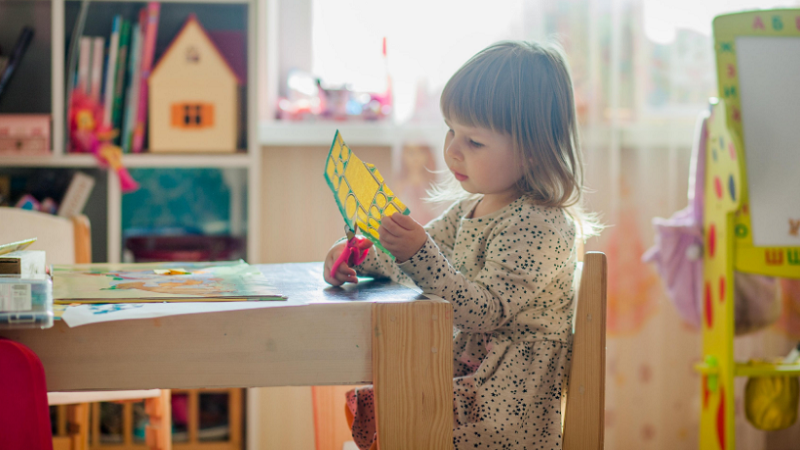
(30, 90)
(227, 23)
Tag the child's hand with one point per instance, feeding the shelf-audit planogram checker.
(344, 272)
(402, 236)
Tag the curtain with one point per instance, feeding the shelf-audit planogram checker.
(638, 102)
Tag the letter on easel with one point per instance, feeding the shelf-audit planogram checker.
(758, 24)
(793, 256)
(794, 227)
(774, 257)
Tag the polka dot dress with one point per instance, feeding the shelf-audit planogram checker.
(509, 277)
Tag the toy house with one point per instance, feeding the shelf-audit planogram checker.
(193, 96)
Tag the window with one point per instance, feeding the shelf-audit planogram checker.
(632, 60)
(192, 115)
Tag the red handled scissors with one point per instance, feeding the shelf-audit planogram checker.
(354, 253)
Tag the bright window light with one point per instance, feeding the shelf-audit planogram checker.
(427, 41)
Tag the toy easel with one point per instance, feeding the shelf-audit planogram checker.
(738, 125)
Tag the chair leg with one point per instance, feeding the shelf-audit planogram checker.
(158, 434)
(78, 418)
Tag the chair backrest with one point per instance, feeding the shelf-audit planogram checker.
(66, 241)
(583, 417)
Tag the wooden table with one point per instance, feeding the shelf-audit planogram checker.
(375, 332)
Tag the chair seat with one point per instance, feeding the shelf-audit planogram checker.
(24, 416)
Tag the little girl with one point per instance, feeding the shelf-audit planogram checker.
(503, 254)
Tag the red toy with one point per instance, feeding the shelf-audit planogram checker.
(88, 134)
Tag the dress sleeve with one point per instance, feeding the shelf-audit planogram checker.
(522, 259)
(442, 230)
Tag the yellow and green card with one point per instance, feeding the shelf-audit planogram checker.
(360, 191)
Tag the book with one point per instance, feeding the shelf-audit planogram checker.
(77, 195)
(23, 263)
(98, 53)
(119, 82)
(159, 282)
(149, 33)
(84, 63)
(24, 39)
(15, 246)
(111, 64)
(134, 72)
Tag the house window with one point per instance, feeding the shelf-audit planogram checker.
(192, 115)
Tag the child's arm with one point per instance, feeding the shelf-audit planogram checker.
(522, 259)
(443, 232)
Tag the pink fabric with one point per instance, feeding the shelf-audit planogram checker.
(361, 403)
(678, 253)
(678, 256)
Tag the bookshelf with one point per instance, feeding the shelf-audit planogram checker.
(43, 73)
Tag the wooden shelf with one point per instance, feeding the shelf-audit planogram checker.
(369, 133)
(650, 134)
(149, 160)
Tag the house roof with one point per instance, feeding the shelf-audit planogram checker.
(193, 19)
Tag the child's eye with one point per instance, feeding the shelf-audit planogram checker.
(475, 144)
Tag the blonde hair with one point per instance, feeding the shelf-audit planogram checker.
(524, 90)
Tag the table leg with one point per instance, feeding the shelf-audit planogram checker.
(412, 352)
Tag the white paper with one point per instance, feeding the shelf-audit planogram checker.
(768, 70)
(75, 316)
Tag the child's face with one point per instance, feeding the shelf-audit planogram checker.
(482, 160)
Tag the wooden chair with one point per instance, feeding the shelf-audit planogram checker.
(68, 241)
(585, 399)
(583, 417)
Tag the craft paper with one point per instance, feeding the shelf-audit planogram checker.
(123, 283)
(360, 191)
(75, 316)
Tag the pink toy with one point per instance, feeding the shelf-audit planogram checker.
(88, 135)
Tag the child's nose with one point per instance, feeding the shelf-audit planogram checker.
(453, 150)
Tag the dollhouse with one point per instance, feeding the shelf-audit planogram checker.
(194, 96)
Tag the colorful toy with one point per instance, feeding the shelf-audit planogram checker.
(28, 202)
(194, 96)
(748, 224)
(360, 191)
(310, 98)
(89, 135)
